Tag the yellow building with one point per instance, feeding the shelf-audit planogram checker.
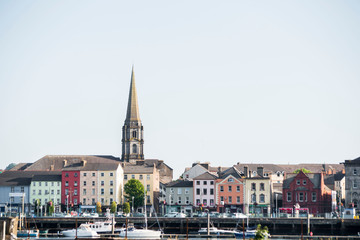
(257, 195)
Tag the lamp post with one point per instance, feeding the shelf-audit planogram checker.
(276, 205)
(132, 206)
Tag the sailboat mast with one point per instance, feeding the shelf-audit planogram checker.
(145, 206)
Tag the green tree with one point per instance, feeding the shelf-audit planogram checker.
(113, 207)
(261, 233)
(126, 208)
(51, 208)
(98, 207)
(304, 170)
(134, 188)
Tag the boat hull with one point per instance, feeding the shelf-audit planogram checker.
(80, 233)
(140, 234)
(28, 233)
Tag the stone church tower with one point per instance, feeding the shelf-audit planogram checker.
(132, 131)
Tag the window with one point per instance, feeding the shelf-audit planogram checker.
(46, 192)
(102, 191)
(141, 177)
(46, 184)
(355, 171)
(297, 182)
(237, 199)
(171, 190)
(211, 182)
(93, 174)
(253, 187)
(84, 174)
(171, 200)
(230, 199)
(205, 182)
(301, 197)
(197, 182)
(93, 191)
(58, 184)
(230, 188)
(111, 191)
(34, 192)
(221, 199)
(230, 180)
(93, 183)
(148, 177)
(102, 174)
(66, 191)
(148, 200)
(75, 192)
(187, 200)
(52, 191)
(84, 183)
(211, 202)
(111, 174)
(278, 174)
(39, 184)
(179, 200)
(134, 134)
(288, 196)
(84, 191)
(253, 198)
(148, 187)
(198, 191)
(262, 198)
(102, 183)
(22, 189)
(84, 201)
(111, 200)
(102, 201)
(211, 191)
(40, 191)
(75, 183)
(205, 202)
(238, 188)
(111, 183)
(34, 184)
(133, 176)
(304, 182)
(75, 174)
(221, 188)
(12, 189)
(313, 196)
(66, 175)
(52, 184)
(198, 202)
(75, 201)
(46, 200)
(179, 190)
(66, 183)
(93, 201)
(58, 191)
(186, 191)
(134, 148)
(262, 187)
(205, 191)
(125, 177)
(354, 184)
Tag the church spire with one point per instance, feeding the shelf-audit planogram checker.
(132, 113)
(133, 131)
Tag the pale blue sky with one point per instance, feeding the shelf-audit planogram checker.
(217, 81)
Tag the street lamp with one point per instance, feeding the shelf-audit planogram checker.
(132, 206)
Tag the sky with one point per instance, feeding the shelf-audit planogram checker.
(217, 81)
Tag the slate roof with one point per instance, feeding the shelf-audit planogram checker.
(354, 161)
(180, 183)
(205, 176)
(315, 178)
(230, 171)
(20, 178)
(128, 169)
(253, 167)
(313, 167)
(55, 177)
(93, 167)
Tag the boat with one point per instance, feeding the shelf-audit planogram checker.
(133, 233)
(248, 234)
(82, 231)
(34, 233)
(102, 227)
(216, 231)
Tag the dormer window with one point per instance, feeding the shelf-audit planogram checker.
(230, 180)
(304, 182)
(297, 182)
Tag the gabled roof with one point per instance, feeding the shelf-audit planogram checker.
(180, 183)
(230, 171)
(225, 179)
(205, 176)
(129, 169)
(313, 167)
(354, 161)
(253, 167)
(315, 178)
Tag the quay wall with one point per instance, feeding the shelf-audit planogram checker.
(277, 226)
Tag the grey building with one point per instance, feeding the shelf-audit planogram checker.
(352, 183)
(179, 195)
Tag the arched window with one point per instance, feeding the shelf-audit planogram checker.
(134, 134)
(134, 148)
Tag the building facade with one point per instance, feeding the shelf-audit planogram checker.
(204, 192)
(352, 184)
(179, 195)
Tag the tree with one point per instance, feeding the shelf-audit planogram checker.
(98, 207)
(304, 170)
(113, 207)
(126, 208)
(261, 233)
(10, 166)
(51, 208)
(134, 188)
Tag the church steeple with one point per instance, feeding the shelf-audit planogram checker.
(133, 131)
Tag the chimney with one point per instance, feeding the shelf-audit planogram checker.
(260, 171)
(83, 163)
(64, 163)
(246, 171)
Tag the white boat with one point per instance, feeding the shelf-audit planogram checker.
(216, 231)
(101, 227)
(82, 231)
(133, 233)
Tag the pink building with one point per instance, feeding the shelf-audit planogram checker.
(204, 191)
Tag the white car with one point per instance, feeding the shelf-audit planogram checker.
(175, 214)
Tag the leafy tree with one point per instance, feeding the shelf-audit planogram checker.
(51, 208)
(134, 188)
(98, 207)
(304, 170)
(126, 208)
(10, 166)
(113, 207)
(261, 233)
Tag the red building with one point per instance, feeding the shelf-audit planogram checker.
(230, 191)
(308, 190)
(70, 183)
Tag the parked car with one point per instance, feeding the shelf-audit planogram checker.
(171, 214)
